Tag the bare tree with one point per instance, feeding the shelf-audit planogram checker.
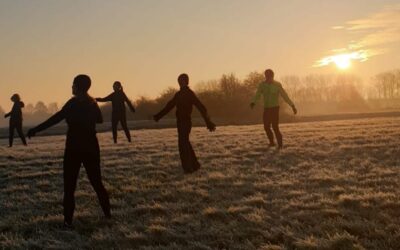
(52, 108)
(41, 108)
(253, 79)
(29, 108)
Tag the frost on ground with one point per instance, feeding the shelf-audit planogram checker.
(334, 186)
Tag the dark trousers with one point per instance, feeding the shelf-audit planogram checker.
(188, 158)
(72, 163)
(16, 125)
(271, 117)
(120, 118)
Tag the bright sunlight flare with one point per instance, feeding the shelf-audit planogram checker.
(343, 60)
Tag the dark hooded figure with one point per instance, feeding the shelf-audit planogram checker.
(16, 119)
(118, 100)
(81, 113)
(184, 100)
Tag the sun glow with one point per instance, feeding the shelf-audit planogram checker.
(343, 61)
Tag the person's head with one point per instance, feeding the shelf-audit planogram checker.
(81, 85)
(15, 98)
(117, 86)
(183, 80)
(269, 75)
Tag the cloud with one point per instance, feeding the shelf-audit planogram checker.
(388, 18)
(376, 33)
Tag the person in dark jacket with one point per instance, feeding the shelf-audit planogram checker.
(81, 113)
(184, 100)
(118, 100)
(16, 120)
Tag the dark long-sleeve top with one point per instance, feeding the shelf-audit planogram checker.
(184, 100)
(81, 115)
(16, 112)
(118, 100)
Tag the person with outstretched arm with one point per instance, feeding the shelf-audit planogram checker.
(271, 90)
(184, 100)
(81, 113)
(16, 120)
(118, 100)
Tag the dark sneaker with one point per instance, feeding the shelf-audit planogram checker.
(108, 220)
(196, 167)
(68, 225)
(191, 171)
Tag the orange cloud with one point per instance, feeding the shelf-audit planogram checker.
(376, 33)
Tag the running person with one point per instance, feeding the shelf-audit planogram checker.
(184, 100)
(16, 120)
(118, 99)
(271, 90)
(81, 113)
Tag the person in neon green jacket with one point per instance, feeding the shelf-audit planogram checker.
(271, 90)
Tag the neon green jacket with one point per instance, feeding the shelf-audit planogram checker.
(271, 92)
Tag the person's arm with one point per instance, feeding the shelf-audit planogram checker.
(14, 107)
(170, 105)
(130, 105)
(105, 99)
(285, 97)
(53, 120)
(256, 96)
(203, 111)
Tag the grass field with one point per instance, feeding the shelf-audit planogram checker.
(334, 186)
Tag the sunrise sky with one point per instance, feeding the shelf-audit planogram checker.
(145, 44)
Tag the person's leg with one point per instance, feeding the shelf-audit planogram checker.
(125, 127)
(114, 124)
(72, 164)
(186, 152)
(194, 160)
(91, 163)
(267, 126)
(11, 135)
(275, 126)
(21, 133)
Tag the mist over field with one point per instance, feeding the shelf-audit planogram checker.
(335, 185)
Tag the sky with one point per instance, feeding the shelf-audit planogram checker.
(146, 44)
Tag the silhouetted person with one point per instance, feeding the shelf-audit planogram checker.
(271, 90)
(118, 99)
(81, 113)
(16, 120)
(184, 100)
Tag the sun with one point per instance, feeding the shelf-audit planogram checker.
(342, 61)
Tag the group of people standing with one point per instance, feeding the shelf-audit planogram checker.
(82, 113)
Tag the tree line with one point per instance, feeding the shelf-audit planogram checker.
(386, 85)
(228, 97)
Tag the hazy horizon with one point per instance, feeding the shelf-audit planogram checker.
(146, 44)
